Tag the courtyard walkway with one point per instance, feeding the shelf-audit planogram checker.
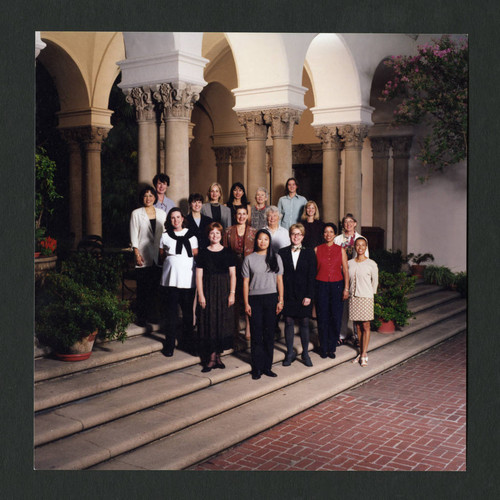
(410, 418)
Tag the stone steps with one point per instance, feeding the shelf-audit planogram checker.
(196, 443)
(137, 392)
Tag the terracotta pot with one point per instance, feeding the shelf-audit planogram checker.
(387, 327)
(37, 254)
(80, 350)
(418, 270)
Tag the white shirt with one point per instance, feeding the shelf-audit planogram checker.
(178, 269)
(279, 238)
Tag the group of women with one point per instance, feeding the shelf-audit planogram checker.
(259, 260)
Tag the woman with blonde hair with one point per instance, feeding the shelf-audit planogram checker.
(313, 225)
(214, 208)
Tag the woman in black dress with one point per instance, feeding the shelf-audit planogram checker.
(299, 273)
(216, 286)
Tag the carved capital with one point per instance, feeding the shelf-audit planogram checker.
(238, 153)
(177, 99)
(353, 136)
(222, 155)
(254, 124)
(328, 136)
(301, 154)
(380, 147)
(282, 121)
(92, 137)
(73, 136)
(401, 146)
(142, 99)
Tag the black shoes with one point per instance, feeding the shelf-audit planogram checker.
(307, 360)
(269, 373)
(256, 375)
(167, 352)
(323, 355)
(289, 360)
(206, 369)
(331, 355)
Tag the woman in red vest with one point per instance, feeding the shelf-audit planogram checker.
(332, 287)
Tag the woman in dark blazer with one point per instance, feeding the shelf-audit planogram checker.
(299, 273)
(196, 222)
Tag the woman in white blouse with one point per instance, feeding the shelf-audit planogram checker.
(146, 228)
(363, 279)
(178, 247)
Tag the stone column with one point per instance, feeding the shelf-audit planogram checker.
(282, 122)
(222, 160)
(353, 137)
(401, 153)
(380, 155)
(331, 144)
(256, 134)
(142, 99)
(93, 202)
(73, 137)
(238, 156)
(177, 101)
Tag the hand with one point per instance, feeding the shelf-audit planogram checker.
(248, 310)
(202, 302)
(279, 307)
(139, 259)
(345, 295)
(230, 300)
(306, 301)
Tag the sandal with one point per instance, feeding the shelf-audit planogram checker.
(364, 361)
(356, 359)
(341, 342)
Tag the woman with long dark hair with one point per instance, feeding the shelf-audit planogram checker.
(262, 273)
(238, 198)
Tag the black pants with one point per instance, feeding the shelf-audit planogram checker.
(329, 308)
(290, 332)
(173, 297)
(148, 280)
(262, 325)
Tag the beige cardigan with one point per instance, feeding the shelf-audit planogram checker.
(363, 278)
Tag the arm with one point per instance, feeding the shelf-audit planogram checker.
(345, 272)
(232, 286)
(134, 239)
(375, 278)
(311, 275)
(246, 283)
(199, 287)
(279, 283)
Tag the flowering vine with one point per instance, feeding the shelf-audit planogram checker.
(432, 87)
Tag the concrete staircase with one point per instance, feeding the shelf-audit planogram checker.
(129, 407)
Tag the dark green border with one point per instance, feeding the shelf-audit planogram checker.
(18, 23)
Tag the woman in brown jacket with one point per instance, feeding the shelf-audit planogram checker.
(240, 239)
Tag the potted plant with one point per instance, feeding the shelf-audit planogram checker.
(79, 303)
(74, 314)
(439, 275)
(417, 261)
(460, 283)
(391, 303)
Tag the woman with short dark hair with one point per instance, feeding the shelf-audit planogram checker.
(146, 228)
(178, 247)
(332, 287)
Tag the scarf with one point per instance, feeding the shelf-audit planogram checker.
(182, 241)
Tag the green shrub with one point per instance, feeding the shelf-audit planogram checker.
(388, 260)
(391, 301)
(438, 275)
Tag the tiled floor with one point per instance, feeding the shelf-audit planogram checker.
(410, 418)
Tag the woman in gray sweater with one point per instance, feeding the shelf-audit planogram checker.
(262, 273)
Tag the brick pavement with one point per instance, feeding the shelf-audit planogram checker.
(410, 418)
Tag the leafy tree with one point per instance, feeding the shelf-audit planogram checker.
(432, 88)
